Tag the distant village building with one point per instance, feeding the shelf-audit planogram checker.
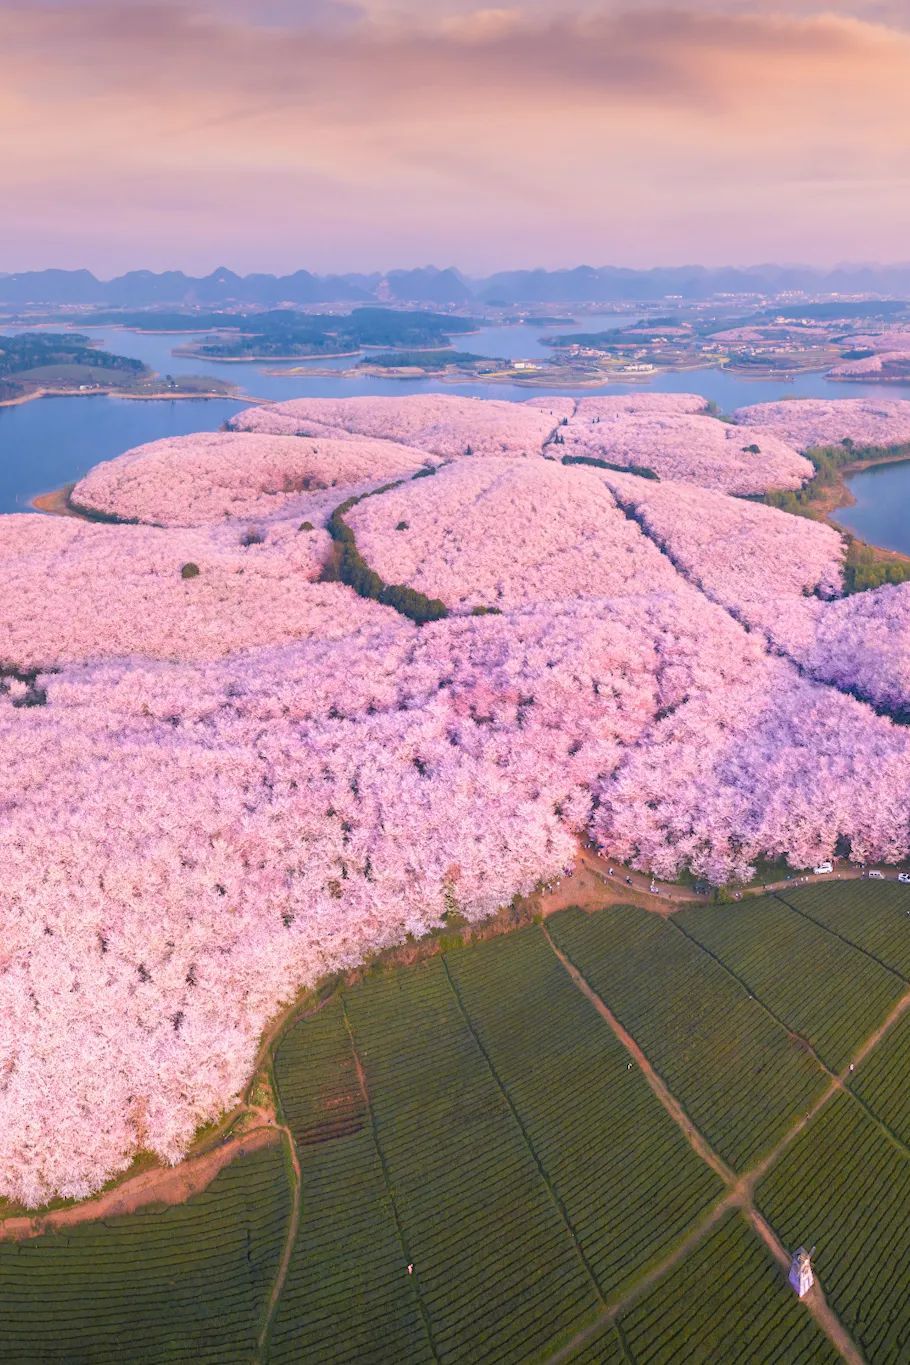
(801, 1277)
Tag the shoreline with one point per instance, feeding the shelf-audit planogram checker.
(825, 507)
(115, 393)
(876, 378)
(56, 503)
(188, 354)
(842, 496)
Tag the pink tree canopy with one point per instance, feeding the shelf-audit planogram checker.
(226, 776)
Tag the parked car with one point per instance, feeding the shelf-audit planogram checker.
(904, 877)
(823, 868)
(875, 874)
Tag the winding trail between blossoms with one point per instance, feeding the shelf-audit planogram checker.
(176, 1184)
(740, 1188)
(161, 1185)
(597, 881)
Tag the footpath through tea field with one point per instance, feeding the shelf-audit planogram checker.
(595, 1139)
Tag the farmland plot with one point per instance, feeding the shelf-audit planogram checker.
(495, 1262)
(873, 915)
(626, 1176)
(183, 1284)
(603, 1348)
(348, 1296)
(818, 985)
(882, 1081)
(727, 1301)
(845, 1187)
(739, 1076)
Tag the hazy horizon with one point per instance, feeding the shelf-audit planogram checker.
(342, 132)
(103, 275)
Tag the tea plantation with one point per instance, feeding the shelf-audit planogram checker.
(487, 1169)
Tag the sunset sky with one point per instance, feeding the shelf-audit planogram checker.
(368, 134)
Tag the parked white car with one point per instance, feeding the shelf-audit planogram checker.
(823, 868)
(904, 877)
(875, 875)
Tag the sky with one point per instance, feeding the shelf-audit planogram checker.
(372, 134)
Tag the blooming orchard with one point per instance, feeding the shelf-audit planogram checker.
(739, 553)
(436, 423)
(806, 422)
(679, 440)
(70, 591)
(880, 364)
(226, 774)
(861, 644)
(503, 533)
(209, 477)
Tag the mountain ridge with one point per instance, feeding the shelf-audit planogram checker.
(448, 286)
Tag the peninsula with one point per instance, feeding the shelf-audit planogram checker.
(38, 364)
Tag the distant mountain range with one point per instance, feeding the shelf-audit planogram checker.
(428, 285)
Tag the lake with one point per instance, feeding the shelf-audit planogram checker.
(53, 441)
(881, 513)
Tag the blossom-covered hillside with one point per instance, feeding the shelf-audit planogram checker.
(678, 439)
(72, 592)
(227, 773)
(738, 552)
(883, 363)
(209, 477)
(438, 423)
(502, 533)
(860, 644)
(807, 422)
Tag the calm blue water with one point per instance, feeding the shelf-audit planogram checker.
(52, 441)
(881, 513)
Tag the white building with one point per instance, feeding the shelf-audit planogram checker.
(801, 1277)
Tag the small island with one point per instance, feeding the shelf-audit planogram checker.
(287, 334)
(435, 363)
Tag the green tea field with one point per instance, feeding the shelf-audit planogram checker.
(594, 1140)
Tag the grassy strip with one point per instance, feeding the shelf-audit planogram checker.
(641, 470)
(864, 566)
(350, 567)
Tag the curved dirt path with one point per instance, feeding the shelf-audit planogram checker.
(162, 1185)
(596, 881)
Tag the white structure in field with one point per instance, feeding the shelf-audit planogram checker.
(801, 1276)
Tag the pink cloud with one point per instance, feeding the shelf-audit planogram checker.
(652, 133)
